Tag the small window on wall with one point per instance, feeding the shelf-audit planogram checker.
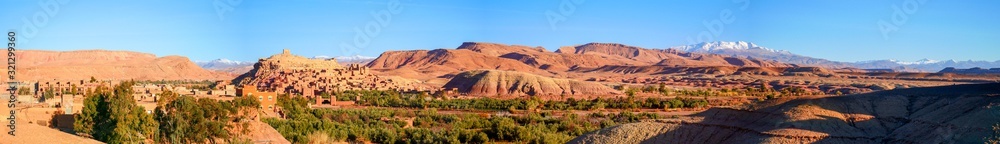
(270, 106)
(269, 98)
(260, 98)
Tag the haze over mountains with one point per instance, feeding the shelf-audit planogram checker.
(748, 49)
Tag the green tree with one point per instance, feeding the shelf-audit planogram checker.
(49, 93)
(112, 116)
(324, 95)
(166, 97)
(504, 128)
(24, 91)
(630, 92)
(599, 105)
(73, 89)
(664, 90)
(530, 105)
(185, 119)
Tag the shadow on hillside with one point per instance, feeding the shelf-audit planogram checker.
(62, 122)
(946, 114)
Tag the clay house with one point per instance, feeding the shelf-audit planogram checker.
(267, 99)
(223, 88)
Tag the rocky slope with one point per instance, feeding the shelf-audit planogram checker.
(445, 63)
(495, 49)
(35, 65)
(948, 114)
(510, 83)
(437, 65)
(667, 56)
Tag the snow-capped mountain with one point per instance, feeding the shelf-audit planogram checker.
(321, 57)
(921, 61)
(358, 59)
(751, 50)
(221, 63)
(354, 58)
(226, 65)
(724, 46)
(345, 58)
(747, 49)
(918, 62)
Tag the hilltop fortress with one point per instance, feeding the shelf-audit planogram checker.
(286, 73)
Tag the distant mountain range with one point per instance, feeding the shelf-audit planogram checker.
(740, 49)
(355, 59)
(218, 64)
(226, 65)
(751, 50)
(926, 65)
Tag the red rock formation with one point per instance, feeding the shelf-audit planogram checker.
(443, 63)
(509, 83)
(435, 65)
(494, 49)
(666, 56)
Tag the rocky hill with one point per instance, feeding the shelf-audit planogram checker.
(268, 68)
(35, 65)
(510, 83)
(298, 75)
(439, 63)
(948, 114)
(494, 49)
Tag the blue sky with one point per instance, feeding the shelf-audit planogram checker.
(210, 29)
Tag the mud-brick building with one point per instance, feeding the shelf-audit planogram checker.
(268, 100)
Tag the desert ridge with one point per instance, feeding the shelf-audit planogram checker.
(41, 65)
(435, 66)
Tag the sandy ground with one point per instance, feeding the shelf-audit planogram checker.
(28, 131)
